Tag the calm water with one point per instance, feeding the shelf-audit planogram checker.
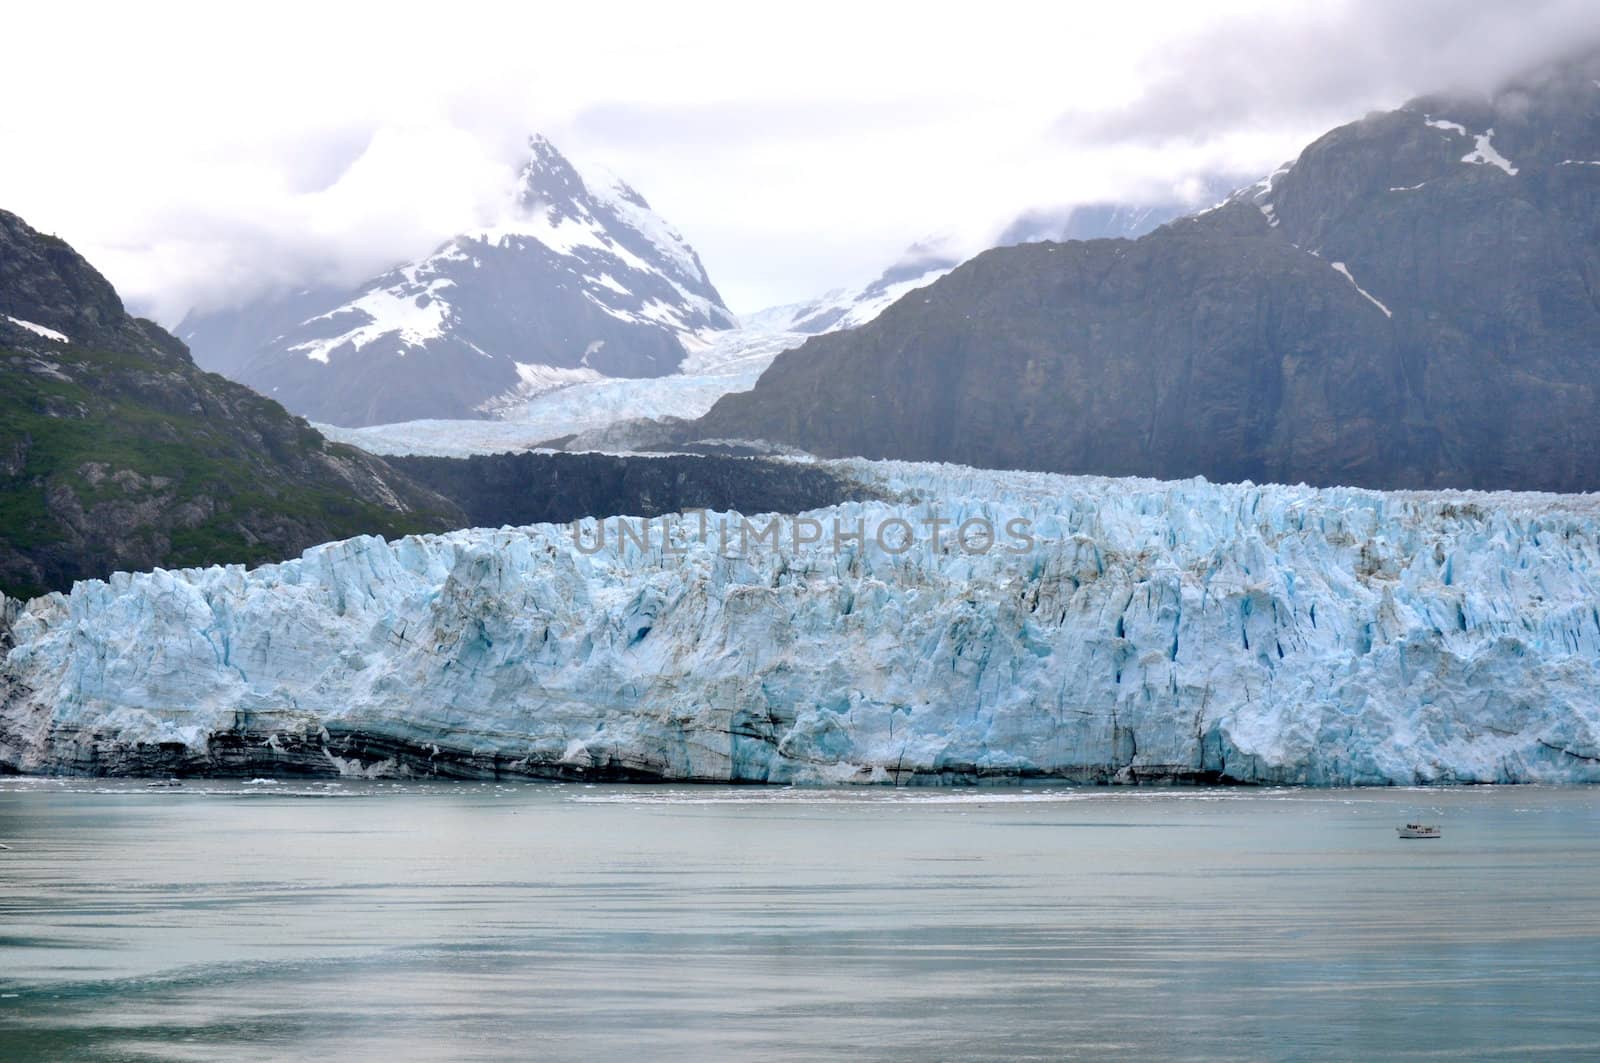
(468, 921)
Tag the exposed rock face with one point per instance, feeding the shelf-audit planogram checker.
(116, 452)
(582, 281)
(1412, 303)
(1134, 631)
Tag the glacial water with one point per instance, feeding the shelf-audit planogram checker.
(476, 921)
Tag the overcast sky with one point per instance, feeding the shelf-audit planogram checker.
(198, 154)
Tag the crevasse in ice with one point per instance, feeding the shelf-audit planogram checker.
(1144, 630)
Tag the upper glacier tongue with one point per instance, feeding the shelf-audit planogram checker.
(1138, 629)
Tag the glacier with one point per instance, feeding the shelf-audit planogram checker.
(1142, 631)
(717, 362)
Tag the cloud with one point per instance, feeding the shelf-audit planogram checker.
(200, 155)
(1332, 62)
(323, 217)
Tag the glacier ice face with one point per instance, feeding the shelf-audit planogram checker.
(718, 364)
(1150, 630)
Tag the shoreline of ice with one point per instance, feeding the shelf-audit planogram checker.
(1154, 631)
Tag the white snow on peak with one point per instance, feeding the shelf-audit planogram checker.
(664, 314)
(588, 229)
(571, 227)
(1408, 188)
(1342, 268)
(1580, 162)
(556, 230)
(1259, 194)
(1454, 127)
(415, 316)
(626, 204)
(606, 280)
(1267, 183)
(39, 330)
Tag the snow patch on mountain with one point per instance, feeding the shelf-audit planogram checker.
(636, 214)
(1345, 271)
(1260, 193)
(412, 312)
(39, 330)
(1483, 152)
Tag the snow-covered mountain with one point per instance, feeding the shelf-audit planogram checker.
(579, 280)
(724, 363)
(920, 265)
(584, 403)
(1115, 629)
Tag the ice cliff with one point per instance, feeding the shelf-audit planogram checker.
(1148, 631)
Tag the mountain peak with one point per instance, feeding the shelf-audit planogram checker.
(548, 178)
(1409, 303)
(578, 276)
(48, 291)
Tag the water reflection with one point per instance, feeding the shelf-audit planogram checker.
(416, 921)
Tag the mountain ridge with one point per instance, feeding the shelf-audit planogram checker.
(1411, 303)
(117, 452)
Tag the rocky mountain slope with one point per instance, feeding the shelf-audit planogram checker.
(116, 452)
(1412, 302)
(1115, 630)
(581, 280)
(518, 489)
(623, 414)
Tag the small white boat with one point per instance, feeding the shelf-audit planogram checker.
(162, 784)
(1420, 830)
